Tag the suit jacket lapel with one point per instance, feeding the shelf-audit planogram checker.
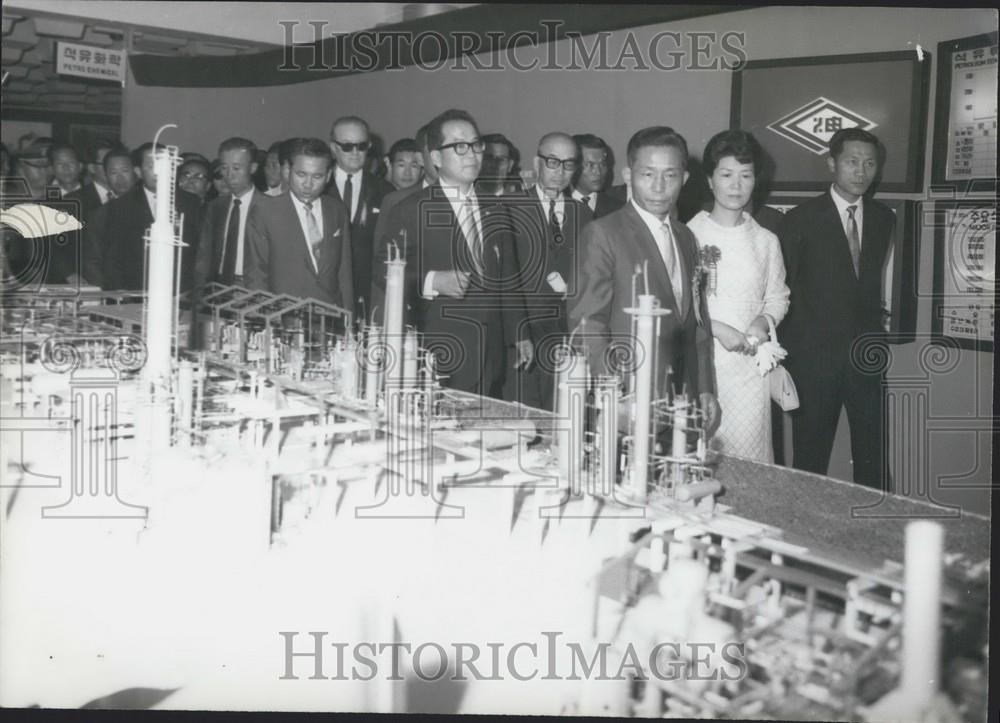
(298, 236)
(687, 269)
(648, 249)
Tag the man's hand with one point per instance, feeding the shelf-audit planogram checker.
(525, 354)
(713, 414)
(451, 283)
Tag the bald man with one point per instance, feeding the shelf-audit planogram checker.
(362, 193)
(548, 225)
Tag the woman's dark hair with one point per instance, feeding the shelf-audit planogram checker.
(737, 143)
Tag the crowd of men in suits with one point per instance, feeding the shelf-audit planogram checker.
(502, 267)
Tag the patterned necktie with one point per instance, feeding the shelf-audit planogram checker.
(232, 240)
(472, 234)
(670, 259)
(313, 235)
(349, 196)
(853, 238)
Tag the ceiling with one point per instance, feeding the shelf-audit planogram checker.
(31, 27)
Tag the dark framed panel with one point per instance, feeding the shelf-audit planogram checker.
(964, 302)
(67, 125)
(794, 105)
(899, 275)
(965, 115)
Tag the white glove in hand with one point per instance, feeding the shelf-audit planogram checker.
(769, 355)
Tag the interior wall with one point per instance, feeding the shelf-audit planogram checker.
(942, 453)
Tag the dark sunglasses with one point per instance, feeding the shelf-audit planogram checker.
(351, 147)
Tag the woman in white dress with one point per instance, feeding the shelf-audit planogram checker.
(746, 283)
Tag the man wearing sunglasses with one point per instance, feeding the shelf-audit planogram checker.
(362, 194)
(548, 226)
(461, 265)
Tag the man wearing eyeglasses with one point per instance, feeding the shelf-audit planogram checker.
(362, 194)
(592, 175)
(548, 225)
(461, 265)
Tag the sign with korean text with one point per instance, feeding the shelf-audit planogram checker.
(90, 61)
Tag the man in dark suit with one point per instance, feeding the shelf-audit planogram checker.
(131, 215)
(119, 178)
(592, 175)
(548, 226)
(222, 247)
(361, 193)
(389, 201)
(48, 259)
(834, 247)
(498, 163)
(460, 260)
(299, 243)
(641, 234)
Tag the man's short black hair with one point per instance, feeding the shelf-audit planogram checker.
(239, 144)
(656, 136)
(95, 148)
(435, 129)
(142, 150)
(58, 148)
(403, 145)
(117, 151)
(845, 135)
(589, 140)
(499, 138)
(313, 147)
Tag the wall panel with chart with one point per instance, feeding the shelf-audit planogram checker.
(965, 240)
(965, 123)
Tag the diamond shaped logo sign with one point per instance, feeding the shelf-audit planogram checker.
(813, 125)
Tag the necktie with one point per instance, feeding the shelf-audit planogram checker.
(349, 196)
(232, 240)
(853, 238)
(673, 269)
(472, 234)
(313, 236)
(586, 200)
(554, 222)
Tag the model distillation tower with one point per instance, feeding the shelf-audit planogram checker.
(664, 446)
(163, 249)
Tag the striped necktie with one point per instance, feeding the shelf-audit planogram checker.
(313, 235)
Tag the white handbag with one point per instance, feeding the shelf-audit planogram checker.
(783, 390)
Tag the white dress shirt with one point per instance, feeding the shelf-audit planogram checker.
(845, 218)
(591, 201)
(63, 192)
(103, 192)
(317, 212)
(457, 201)
(340, 178)
(151, 200)
(244, 212)
(655, 226)
(276, 191)
(560, 200)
